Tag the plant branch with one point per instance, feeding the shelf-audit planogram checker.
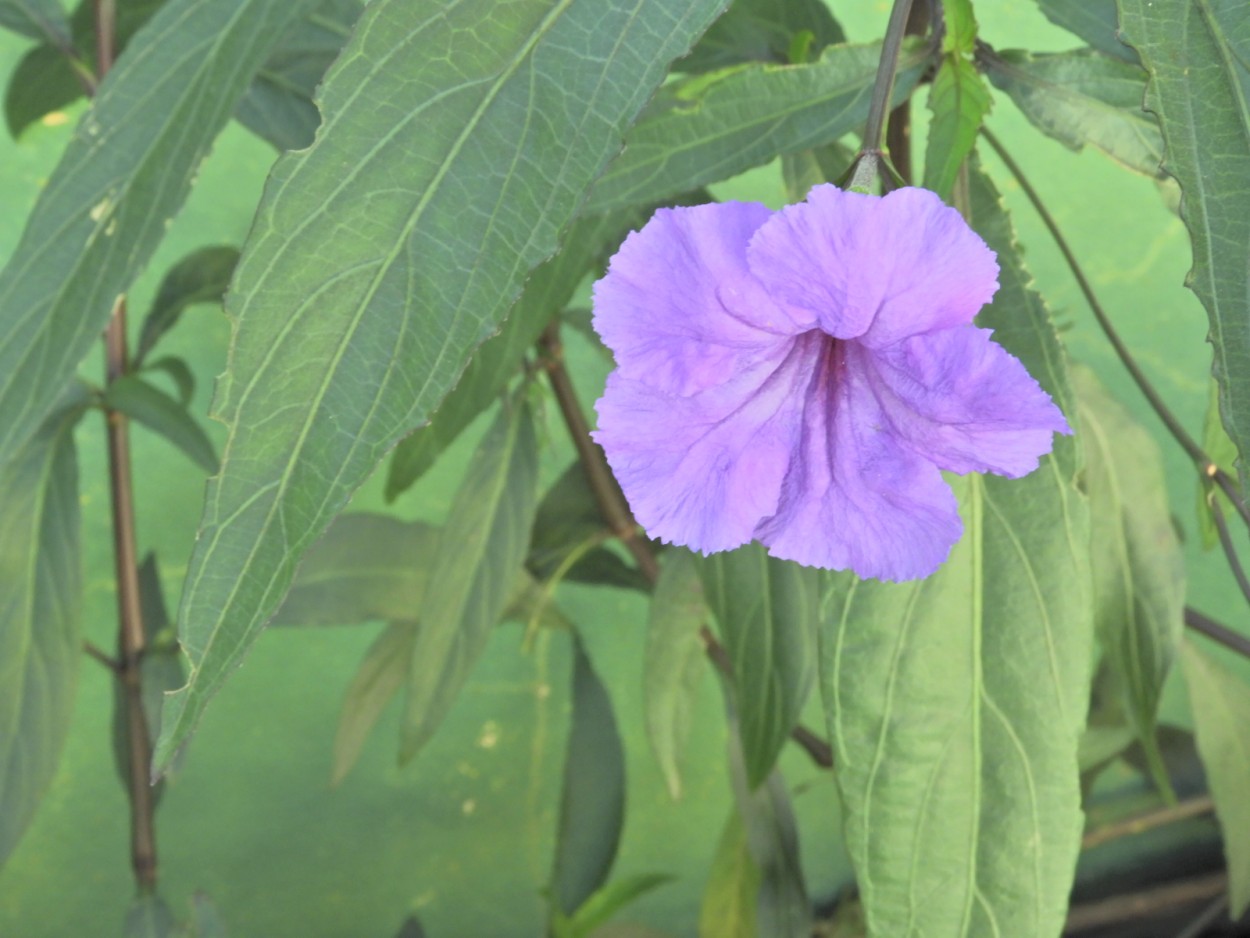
(131, 637)
(101, 656)
(1140, 824)
(1213, 630)
(1195, 452)
(1206, 918)
(898, 128)
(1230, 550)
(883, 87)
(1145, 906)
(620, 520)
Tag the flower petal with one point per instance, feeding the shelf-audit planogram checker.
(702, 470)
(877, 269)
(964, 402)
(678, 305)
(856, 496)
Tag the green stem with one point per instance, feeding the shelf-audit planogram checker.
(883, 88)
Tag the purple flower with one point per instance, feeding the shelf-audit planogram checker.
(802, 377)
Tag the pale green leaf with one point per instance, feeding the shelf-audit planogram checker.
(1083, 97)
(278, 107)
(609, 899)
(956, 703)
(40, 608)
(200, 277)
(1095, 21)
(1221, 706)
(382, 672)
(499, 358)
(367, 567)
(959, 24)
(36, 19)
(766, 611)
(150, 917)
(730, 897)
(1138, 567)
(592, 802)
(959, 100)
(474, 573)
(674, 661)
(124, 175)
(1198, 57)
(711, 127)
(762, 31)
(163, 415)
(470, 134)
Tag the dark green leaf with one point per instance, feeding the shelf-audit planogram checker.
(956, 703)
(674, 661)
(959, 101)
(382, 672)
(568, 520)
(179, 371)
(762, 31)
(711, 127)
(1221, 707)
(278, 107)
(1093, 20)
(35, 19)
(149, 917)
(161, 414)
(1083, 97)
(731, 895)
(129, 17)
(411, 928)
(474, 573)
(1138, 567)
(605, 902)
(122, 177)
(40, 606)
(782, 909)
(360, 295)
(368, 567)
(499, 358)
(43, 82)
(806, 168)
(200, 277)
(206, 921)
(766, 611)
(592, 803)
(1198, 57)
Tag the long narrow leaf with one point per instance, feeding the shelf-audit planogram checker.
(457, 141)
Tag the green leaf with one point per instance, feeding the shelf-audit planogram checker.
(36, 19)
(1221, 706)
(1083, 97)
(360, 295)
(179, 371)
(472, 579)
(956, 703)
(499, 358)
(43, 82)
(711, 127)
(782, 909)
(592, 802)
(568, 520)
(367, 567)
(1198, 57)
(124, 174)
(382, 672)
(1217, 445)
(730, 897)
(40, 607)
(766, 611)
(161, 414)
(200, 277)
(674, 661)
(1095, 21)
(959, 100)
(206, 921)
(411, 928)
(606, 901)
(800, 171)
(1138, 567)
(278, 107)
(959, 35)
(762, 31)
